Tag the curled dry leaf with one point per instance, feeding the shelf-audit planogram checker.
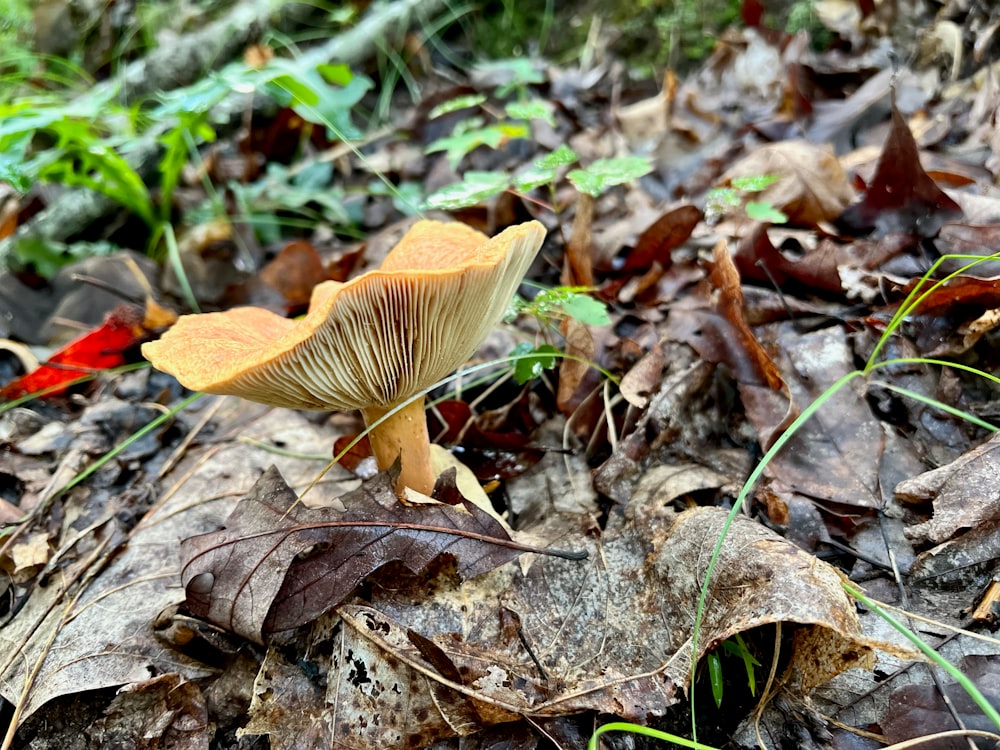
(964, 494)
(278, 564)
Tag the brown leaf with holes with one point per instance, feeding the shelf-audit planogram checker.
(278, 564)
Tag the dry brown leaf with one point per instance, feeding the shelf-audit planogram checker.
(812, 187)
(964, 493)
(106, 638)
(278, 564)
(612, 635)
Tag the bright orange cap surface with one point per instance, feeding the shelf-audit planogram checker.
(373, 341)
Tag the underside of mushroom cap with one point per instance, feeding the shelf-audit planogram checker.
(373, 341)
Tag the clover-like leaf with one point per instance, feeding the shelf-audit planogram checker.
(474, 188)
(605, 173)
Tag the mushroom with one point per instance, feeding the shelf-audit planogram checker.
(372, 343)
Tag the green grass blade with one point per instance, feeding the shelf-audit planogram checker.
(656, 734)
(978, 698)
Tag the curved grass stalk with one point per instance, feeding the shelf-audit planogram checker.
(916, 296)
(623, 726)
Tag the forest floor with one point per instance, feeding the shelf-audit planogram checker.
(724, 471)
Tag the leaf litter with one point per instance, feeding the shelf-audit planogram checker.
(185, 592)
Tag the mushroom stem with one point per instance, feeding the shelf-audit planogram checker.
(403, 436)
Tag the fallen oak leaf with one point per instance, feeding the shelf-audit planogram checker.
(278, 564)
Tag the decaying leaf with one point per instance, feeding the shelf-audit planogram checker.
(964, 493)
(612, 637)
(106, 637)
(721, 335)
(278, 564)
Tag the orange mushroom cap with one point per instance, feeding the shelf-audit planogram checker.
(373, 341)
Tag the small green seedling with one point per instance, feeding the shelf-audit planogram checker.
(549, 307)
(720, 200)
(737, 647)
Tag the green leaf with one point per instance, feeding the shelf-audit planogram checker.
(754, 183)
(760, 211)
(300, 92)
(722, 197)
(587, 310)
(561, 157)
(458, 144)
(532, 109)
(715, 676)
(459, 102)
(532, 177)
(474, 188)
(530, 367)
(14, 168)
(336, 73)
(605, 173)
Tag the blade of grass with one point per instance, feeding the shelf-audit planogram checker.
(621, 726)
(972, 418)
(174, 256)
(978, 698)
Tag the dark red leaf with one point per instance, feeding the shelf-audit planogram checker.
(665, 234)
(901, 197)
(759, 260)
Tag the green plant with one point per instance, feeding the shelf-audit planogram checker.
(909, 305)
(86, 141)
(720, 200)
(734, 647)
(549, 307)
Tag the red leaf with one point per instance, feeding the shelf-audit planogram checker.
(100, 349)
